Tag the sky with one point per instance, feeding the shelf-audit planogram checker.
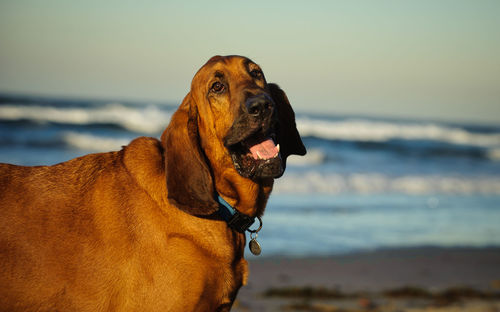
(413, 59)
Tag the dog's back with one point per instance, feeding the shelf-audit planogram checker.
(96, 234)
(71, 234)
(47, 226)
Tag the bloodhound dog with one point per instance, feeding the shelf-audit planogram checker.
(158, 225)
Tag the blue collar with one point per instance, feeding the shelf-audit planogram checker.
(236, 220)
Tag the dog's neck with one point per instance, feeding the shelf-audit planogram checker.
(235, 219)
(247, 196)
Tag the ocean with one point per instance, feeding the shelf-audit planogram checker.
(366, 183)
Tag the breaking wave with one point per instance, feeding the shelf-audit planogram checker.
(144, 119)
(365, 130)
(375, 183)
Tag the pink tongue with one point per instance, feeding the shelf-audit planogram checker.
(265, 149)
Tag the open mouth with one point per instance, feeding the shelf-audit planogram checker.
(257, 156)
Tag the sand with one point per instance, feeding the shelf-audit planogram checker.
(362, 281)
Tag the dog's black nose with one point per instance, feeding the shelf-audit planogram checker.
(259, 105)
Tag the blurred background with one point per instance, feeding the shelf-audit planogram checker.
(398, 104)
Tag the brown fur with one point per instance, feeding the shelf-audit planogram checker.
(137, 229)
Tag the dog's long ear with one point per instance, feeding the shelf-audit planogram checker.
(189, 181)
(287, 134)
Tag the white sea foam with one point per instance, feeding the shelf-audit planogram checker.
(146, 119)
(381, 131)
(313, 157)
(88, 142)
(313, 182)
(494, 154)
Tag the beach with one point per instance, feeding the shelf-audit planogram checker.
(409, 279)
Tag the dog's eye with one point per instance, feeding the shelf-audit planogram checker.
(256, 73)
(217, 87)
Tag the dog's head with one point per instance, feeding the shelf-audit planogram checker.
(231, 121)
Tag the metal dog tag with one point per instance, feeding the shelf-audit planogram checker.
(255, 246)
